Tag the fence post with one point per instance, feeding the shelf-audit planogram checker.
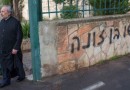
(34, 17)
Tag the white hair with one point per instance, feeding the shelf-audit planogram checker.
(9, 9)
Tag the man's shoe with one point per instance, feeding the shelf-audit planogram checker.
(4, 84)
(20, 79)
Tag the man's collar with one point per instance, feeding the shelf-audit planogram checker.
(7, 18)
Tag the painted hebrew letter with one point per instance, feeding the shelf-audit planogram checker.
(110, 36)
(101, 36)
(94, 35)
(88, 45)
(128, 29)
(116, 35)
(78, 44)
(124, 32)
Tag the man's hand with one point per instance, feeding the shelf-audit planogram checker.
(14, 51)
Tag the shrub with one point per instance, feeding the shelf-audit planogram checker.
(69, 12)
(58, 1)
(109, 7)
(26, 29)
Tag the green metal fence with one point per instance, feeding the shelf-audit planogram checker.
(82, 8)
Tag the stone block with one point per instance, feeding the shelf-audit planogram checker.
(65, 67)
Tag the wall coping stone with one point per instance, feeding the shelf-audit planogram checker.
(86, 20)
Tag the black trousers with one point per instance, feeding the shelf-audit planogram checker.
(11, 66)
(19, 65)
(6, 62)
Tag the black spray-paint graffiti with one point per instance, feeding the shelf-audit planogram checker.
(114, 34)
(72, 45)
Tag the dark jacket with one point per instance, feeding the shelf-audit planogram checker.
(10, 38)
(10, 34)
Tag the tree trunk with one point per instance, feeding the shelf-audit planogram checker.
(16, 8)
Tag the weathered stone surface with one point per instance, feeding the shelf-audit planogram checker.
(81, 43)
(65, 67)
(27, 64)
(48, 50)
(110, 23)
(72, 28)
(110, 51)
(105, 46)
(92, 61)
(49, 69)
(128, 43)
(83, 61)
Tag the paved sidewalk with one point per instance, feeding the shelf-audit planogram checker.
(114, 74)
(26, 85)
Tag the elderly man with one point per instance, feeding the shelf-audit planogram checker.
(10, 46)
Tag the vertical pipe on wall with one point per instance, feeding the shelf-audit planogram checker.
(34, 17)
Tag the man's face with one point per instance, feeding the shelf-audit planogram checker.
(4, 13)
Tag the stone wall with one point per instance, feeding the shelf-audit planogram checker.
(26, 45)
(69, 45)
